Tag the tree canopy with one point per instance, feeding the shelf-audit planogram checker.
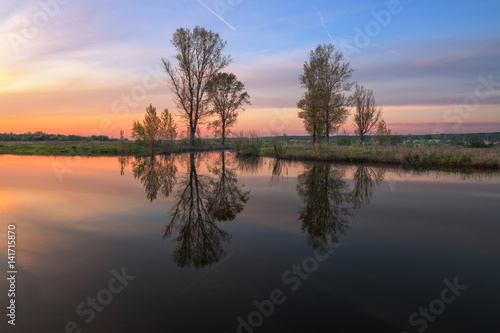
(199, 58)
(227, 96)
(326, 77)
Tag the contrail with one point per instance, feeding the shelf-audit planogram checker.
(216, 15)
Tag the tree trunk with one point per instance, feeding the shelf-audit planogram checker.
(327, 126)
(192, 135)
(223, 132)
(314, 134)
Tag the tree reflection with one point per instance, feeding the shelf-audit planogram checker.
(324, 215)
(200, 203)
(329, 202)
(249, 164)
(227, 197)
(366, 179)
(124, 161)
(155, 174)
(279, 171)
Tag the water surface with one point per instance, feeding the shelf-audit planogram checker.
(208, 241)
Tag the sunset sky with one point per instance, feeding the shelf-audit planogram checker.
(92, 67)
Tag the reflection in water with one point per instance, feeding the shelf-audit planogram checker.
(366, 179)
(227, 197)
(324, 215)
(200, 203)
(155, 173)
(279, 171)
(199, 238)
(124, 161)
(248, 164)
(327, 201)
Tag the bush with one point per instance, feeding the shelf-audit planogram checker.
(344, 141)
(247, 146)
(476, 142)
(280, 147)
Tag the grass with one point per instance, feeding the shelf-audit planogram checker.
(247, 145)
(58, 148)
(417, 157)
(96, 148)
(441, 156)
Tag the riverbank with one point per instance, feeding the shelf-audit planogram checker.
(422, 156)
(95, 148)
(439, 156)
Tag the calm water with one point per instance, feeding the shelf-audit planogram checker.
(212, 243)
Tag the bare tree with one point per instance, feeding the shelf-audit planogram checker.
(311, 115)
(227, 96)
(199, 57)
(367, 113)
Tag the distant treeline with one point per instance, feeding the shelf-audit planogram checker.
(41, 136)
(399, 139)
(444, 138)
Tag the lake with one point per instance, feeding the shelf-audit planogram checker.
(214, 243)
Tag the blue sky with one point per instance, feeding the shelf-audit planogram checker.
(424, 62)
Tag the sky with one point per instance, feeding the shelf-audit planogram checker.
(92, 67)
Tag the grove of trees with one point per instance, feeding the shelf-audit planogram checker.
(326, 77)
(324, 107)
(199, 58)
(155, 130)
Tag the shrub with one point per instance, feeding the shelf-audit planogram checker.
(247, 146)
(343, 141)
(476, 142)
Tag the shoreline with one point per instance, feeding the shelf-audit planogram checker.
(417, 157)
(411, 157)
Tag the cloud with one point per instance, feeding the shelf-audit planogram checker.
(428, 72)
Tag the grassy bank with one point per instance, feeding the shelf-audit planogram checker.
(83, 148)
(441, 156)
(438, 156)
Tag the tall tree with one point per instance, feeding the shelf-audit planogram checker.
(367, 113)
(311, 115)
(326, 77)
(199, 57)
(155, 129)
(227, 96)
